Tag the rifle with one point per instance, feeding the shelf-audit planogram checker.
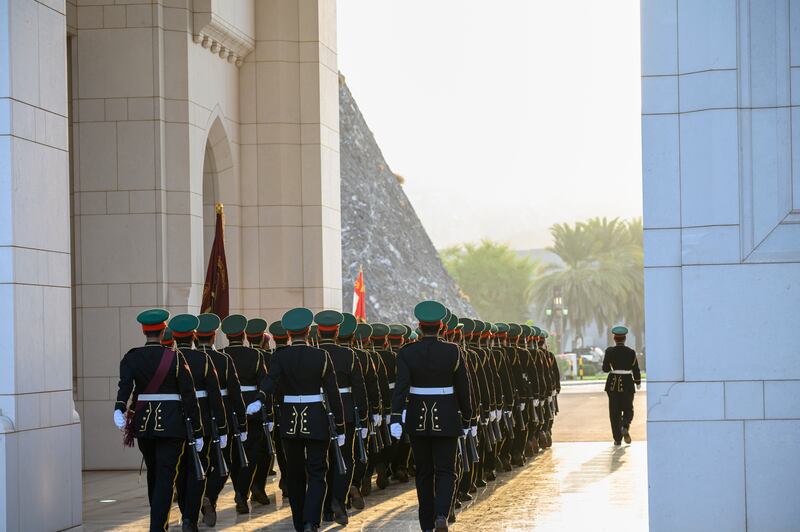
(509, 421)
(488, 434)
(219, 460)
(520, 415)
(498, 434)
(462, 449)
(387, 435)
(237, 438)
(472, 448)
(199, 473)
(360, 447)
(555, 402)
(378, 437)
(265, 425)
(548, 409)
(341, 467)
(374, 444)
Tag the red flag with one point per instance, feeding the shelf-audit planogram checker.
(215, 289)
(359, 298)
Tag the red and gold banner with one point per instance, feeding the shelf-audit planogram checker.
(215, 289)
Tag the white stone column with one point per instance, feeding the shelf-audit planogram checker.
(722, 262)
(40, 439)
(290, 160)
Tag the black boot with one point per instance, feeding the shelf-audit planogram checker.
(188, 526)
(260, 496)
(355, 498)
(626, 435)
(209, 512)
(339, 512)
(242, 506)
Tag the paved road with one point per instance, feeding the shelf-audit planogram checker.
(575, 485)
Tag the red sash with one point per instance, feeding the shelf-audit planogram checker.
(152, 387)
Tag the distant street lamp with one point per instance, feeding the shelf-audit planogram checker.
(557, 311)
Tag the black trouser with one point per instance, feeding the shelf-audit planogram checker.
(339, 485)
(280, 455)
(620, 412)
(255, 449)
(306, 466)
(162, 456)
(435, 460)
(520, 438)
(262, 467)
(215, 482)
(189, 489)
(400, 458)
(359, 468)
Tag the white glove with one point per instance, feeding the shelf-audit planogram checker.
(253, 407)
(270, 426)
(119, 419)
(377, 419)
(522, 407)
(387, 419)
(223, 441)
(466, 431)
(507, 413)
(404, 416)
(554, 393)
(638, 387)
(243, 437)
(397, 430)
(474, 430)
(340, 439)
(364, 434)
(535, 402)
(198, 444)
(492, 415)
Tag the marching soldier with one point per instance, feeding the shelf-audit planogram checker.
(254, 331)
(189, 488)
(402, 452)
(364, 334)
(205, 335)
(347, 338)
(302, 372)
(250, 368)
(281, 339)
(623, 373)
(380, 332)
(350, 379)
(164, 403)
(432, 379)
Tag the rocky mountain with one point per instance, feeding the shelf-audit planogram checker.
(381, 231)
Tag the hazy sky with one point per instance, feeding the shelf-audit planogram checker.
(504, 116)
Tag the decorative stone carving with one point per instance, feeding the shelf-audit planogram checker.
(217, 34)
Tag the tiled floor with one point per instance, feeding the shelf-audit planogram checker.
(573, 486)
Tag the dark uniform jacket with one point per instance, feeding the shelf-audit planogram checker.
(389, 361)
(621, 357)
(205, 378)
(158, 419)
(229, 382)
(383, 383)
(348, 375)
(301, 369)
(252, 371)
(370, 381)
(506, 384)
(432, 363)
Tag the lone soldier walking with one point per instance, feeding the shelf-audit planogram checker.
(623, 372)
(431, 375)
(163, 400)
(306, 376)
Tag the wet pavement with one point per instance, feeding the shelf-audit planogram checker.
(573, 486)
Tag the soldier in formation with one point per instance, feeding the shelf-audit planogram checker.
(340, 406)
(624, 379)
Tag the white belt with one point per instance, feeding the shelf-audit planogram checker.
(159, 397)
(391, 386)
(622, 372)
(201, 393)
(432, 391)
(249, 388)
(349, 389)
(302, 398)
(223, 392)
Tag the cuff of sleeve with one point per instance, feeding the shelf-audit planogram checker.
(397, 418)
(121, 406)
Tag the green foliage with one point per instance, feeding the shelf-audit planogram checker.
(496, 281)
(601, 280)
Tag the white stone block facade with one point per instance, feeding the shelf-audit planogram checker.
(122, 123)
(722, 261)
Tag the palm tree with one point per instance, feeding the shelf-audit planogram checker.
(600, 276)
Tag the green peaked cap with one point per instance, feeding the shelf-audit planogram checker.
(255, 326)
(329, 318)
(480, 326)
(619, 330)
(526, 330)
(468, 325)
(234, 324)
(207, 323)
(502, 327)
(452, 322)
(183, 323)
(152, 316)
(536, 331)
(514, 330)
(413, 336)
(408, 332)
(276, 329)
(297, 319)
(430, 311)
(545, 334)
(348, 326)
(363, 331)
(397, 330)
(380, 330)
(167, 335)
(494, 328)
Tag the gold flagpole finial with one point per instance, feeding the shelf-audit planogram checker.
(219, 208)
(360, 268)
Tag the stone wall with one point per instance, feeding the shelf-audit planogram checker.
(381, 231)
